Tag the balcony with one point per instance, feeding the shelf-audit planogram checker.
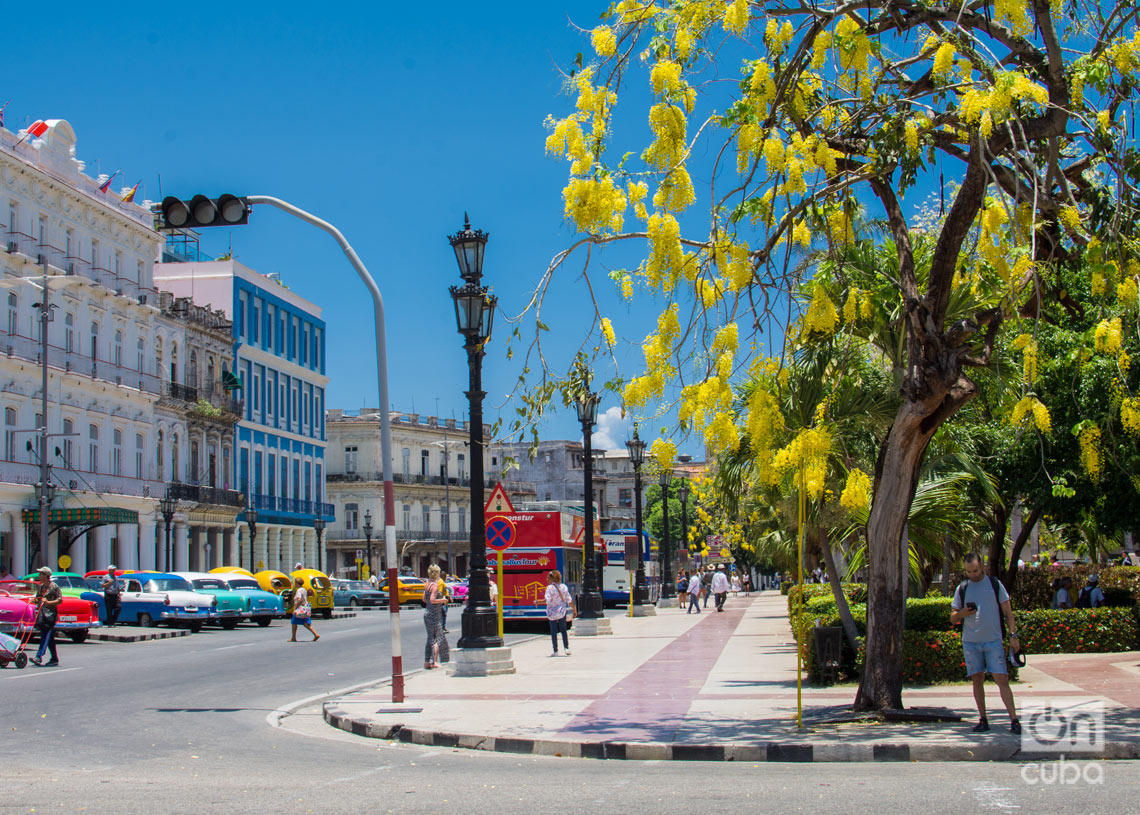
(294, 506)
(31, 350)
(179, 392)
(17, 243)
(17, 472)
(206, 495)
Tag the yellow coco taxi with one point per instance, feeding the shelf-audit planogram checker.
(232, 570)
(278, 583)
(320, 590)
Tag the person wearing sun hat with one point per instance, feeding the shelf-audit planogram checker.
(48, 598)
(111, 591)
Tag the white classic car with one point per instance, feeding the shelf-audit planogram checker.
(150, 598)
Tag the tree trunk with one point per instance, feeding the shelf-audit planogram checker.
(1019, 544)
(837, 592)
(999, 523)
(946, 566)
(896, 477)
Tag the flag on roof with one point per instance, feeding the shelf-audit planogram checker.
(38, 128)
(129, 195)
(106, 185)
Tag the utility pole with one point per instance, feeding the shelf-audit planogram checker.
(46, 491)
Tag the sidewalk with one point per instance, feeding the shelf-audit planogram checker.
(719, 687)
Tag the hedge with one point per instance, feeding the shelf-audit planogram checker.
(1120, 584)
(922, 614)
(1077, 631)
(856, 593)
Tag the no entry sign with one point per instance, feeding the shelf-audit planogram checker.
(500, 533)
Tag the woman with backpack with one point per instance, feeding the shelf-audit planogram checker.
(559, 603)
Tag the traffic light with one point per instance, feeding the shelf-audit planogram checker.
(200, 211)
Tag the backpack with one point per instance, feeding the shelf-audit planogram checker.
(1084, 599)
(960, 596)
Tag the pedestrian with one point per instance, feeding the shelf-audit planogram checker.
(980, 604)
(112, 588)
(4, 573)
(436, 648)
(302, 611)
(447, 597)
(48, 598)
(296, 566)
(373, 581)
(694, 593)
(682, 588)
(747, 585)
(706, 583)
(776, 581)
(494, 593)
(559, 607)
(1091, 596)
(735, 584)
(1061, 597)
(720, 587)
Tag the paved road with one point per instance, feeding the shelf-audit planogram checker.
(181, 725)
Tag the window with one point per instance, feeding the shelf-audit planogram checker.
(271, 472)
(39, 447)
(10, 434)
(308, 481)
(459, 465)
(350, 454)
(425, 458)
(253, 315)
(211, 381)
(296, 479)
(138, 456)
(445, 519)
(352, 517)
(427, 519)
(158, 357)
(269, 323)
(93, 448)
(407, 463)
(139, 273)
(305, 344)
(173, 362)
(141, 346)
(94, 255)
(118, 349)
(316, 349)
(625, 498)
(175, 473)
(462, 519)
(118, 265)
(284, 476)
(13, 314)
(68, 447)
(256, 392)
(407, 516)
(69, 332)
(68, 240)
(192, 372)
(195, 451)
(161, 450)
(94, 341)
(116, 452)
(280, 334)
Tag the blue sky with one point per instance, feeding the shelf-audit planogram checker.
(389, 120)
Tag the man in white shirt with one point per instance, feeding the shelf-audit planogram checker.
(694, 592)
(720, 587)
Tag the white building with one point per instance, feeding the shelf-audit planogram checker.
(103, 385)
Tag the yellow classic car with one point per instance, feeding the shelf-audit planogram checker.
(320, 590)
(278, 583)
(411, 588)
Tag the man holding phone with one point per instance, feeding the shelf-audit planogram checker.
(980, 604)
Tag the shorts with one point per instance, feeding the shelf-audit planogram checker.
(301, 620)
(984, 657)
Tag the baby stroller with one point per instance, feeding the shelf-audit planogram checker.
(12, 649)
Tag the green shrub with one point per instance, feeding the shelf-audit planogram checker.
(1032, 590)
(785, 587)
(1077, 631)
(928, 614)
(856, 593)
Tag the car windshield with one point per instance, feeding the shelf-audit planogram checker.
(321, 582)
(168, 584)
(209, 583)
(69, 582)
(244, 584)
(358, 585)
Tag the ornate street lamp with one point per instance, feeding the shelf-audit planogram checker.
(590, 603)
(668, 590)
(319, 526)
(474, 316)
(251, 521)
(683, 494)
(167, 506)
(368, 539)
(637, 457)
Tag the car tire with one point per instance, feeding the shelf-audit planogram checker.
(78, 636)
(264, 621)
(353, 604)
(230, 624)
(195, 627)
(145, 620)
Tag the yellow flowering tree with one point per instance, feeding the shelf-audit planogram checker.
(841, 107)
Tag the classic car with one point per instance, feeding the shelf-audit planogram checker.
(231, 570)
(353, 593)
(262, 606)
(319, 588)
(411, 589)
(81, 586)
(77, 616)
(458, 590)
(277, 583)
(231, 607)
(150, 598)
(16, 614)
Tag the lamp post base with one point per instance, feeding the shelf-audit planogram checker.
(592, 627)
(667, 602)
(483, 661)
(480, 628)
(644, 610)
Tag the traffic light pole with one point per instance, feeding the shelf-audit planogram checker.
(385, 426)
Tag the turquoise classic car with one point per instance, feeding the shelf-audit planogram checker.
(231, 608)
(263, 606)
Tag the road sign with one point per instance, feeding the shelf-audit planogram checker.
(500, 533)
(498, 502)
(359, 554)
(631, 554)
(64, 563)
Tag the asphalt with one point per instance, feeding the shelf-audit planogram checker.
(722, 687)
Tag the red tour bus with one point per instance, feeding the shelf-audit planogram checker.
(548, 535)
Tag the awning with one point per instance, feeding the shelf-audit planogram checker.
(82, 516)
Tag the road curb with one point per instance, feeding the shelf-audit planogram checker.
(107, 636)
(779, 752)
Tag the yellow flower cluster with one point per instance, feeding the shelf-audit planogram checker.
(566, 139)
(1071, 219)
(1091, 459)
(808, 453)
(778, 36)
(666, 258)
(943, 62)
(657, 349)
(994, 104)
(821, 315)
(801, 234)
(608, 332)
(1028, 348)
(1014, 14)
(840, 228)
(637, 191)
(668, 124)
(1130, 415)
(627, 287)
(1108, 336)
(594, 206)
(604, 42)
(852, 45)
(666, 78)
(1030, 406)
(683, 42)
(765, 419)
(664, 452)
(736, 17)
(1127, 292)
(819, 48)
(739, 270)
(594, 102)
(856, 493)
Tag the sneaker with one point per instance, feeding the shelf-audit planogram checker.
(445, 631)
(35, 661)
(1015, 727)
(982, 726)
(51, 663)
(554, 654)
(567, 653)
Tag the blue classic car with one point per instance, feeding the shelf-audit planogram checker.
(150, 598)
(261, 606)
(354, 593)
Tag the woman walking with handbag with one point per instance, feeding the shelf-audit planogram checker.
(435, 600)
(48, 598)
(302, 611)
(558, 601)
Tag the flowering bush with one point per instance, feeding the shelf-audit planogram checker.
(1077, 631)
(1120, 584)
(856, 593)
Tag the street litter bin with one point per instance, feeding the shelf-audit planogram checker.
(828, 652)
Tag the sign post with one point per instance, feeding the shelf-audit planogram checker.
(500, 535)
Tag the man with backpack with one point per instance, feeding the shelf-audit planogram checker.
(1091, 596)
(981, 605)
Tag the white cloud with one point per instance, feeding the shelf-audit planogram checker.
(612, 430)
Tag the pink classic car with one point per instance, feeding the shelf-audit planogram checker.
(16, 613)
